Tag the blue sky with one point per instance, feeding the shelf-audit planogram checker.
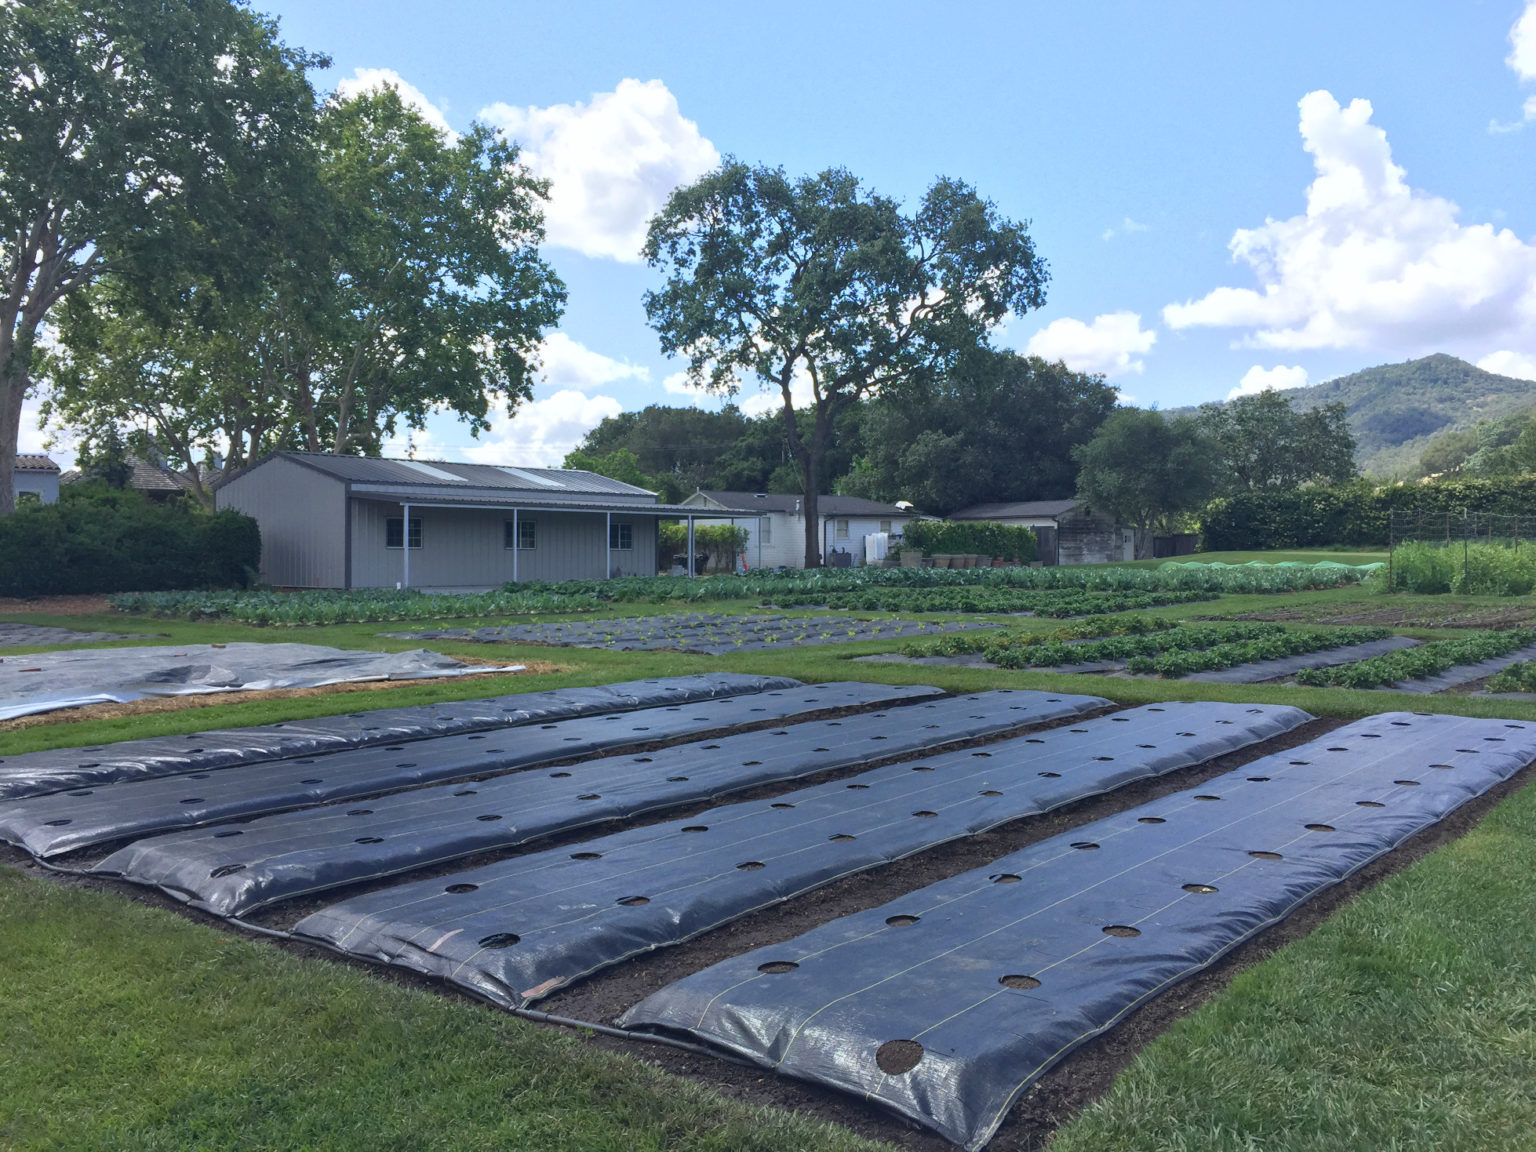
(1165, 154)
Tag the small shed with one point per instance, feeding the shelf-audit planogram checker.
(775, 524)
(359, 522)
(1068, 531)
(35, 480)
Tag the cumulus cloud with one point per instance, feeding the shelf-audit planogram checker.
(1109, 345)
(542, 432)
(373, 79)
(33, 439)
(1520, 365)
(568, 364)
(1372, 262)
(1522, 44)
(1258, 379)
(1125, 227)
(611, 162)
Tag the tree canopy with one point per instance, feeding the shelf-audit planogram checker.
(1144, 469)
(1263, 443)
(141, 138)
(996, 426)
(827, 293)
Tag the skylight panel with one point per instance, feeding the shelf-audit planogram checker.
(428, 470)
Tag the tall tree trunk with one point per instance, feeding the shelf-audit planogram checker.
(13, 387)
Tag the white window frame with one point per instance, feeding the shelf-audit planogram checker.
(840, 530)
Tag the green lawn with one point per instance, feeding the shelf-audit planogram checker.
(1408, 1021)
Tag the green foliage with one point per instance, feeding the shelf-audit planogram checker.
(1505, 446)
(1416, 663)
(621, 464)
(1352, 514)
(722, 542)
(1469, 569)
(1172, 665)
(996, 426)
(970, 538)
(1263, 443)
(96, 539)
(1054, 602)
(1519, 677)
(775, 279)
(1144, 469)
(104, 457)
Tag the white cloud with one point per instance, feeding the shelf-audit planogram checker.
(1520, 365)
(611, 163)
(567, 364)
(59, 445)
(1109, 345)
(1125, 228)
(1258, 379)
(1522, 45)
(1372, 262)
(541, 432)
(373, 79)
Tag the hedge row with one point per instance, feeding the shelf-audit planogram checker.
(1357, 514)
(99, 540)
(969, 538)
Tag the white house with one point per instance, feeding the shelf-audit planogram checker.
(775, 524)
(35, 480)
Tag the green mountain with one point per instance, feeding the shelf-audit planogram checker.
(1396, 409)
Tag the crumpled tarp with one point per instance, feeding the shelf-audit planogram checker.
(231, 871)
(518, 929)
(57, 769)
(42, 636)
(67, 821)
(46, 681)
(948, 1002)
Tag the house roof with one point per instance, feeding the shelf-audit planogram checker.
(35, 464)
(147, 477)
(1039, 509)
(759, 502)
(555, 484)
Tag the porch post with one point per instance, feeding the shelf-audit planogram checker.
(690, 545)
(608, 545)
(517, 544)
(405, 541)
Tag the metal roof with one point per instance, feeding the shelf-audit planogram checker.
(1016, 510)
(524, 504)
(759, 502)
(552, 482)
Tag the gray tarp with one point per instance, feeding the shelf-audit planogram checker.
(67, 821)
(518, 929)
(57, 769)
(41, 636)
(230, 871)
(45, 681)
(948, 1002)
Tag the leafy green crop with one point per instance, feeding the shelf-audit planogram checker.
(1516, 678)
(1182, 662)
(1046, 602)
(1416, 663)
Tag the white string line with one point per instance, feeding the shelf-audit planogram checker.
(1028, 758)
(753, 811)
(1012, 924)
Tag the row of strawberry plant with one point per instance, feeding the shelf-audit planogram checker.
(1088, 628)
(1519, 677)
(1049, 602)
(1416, 663)
(1181, 662)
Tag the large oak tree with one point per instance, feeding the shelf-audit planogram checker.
(138, 138)
(828, 293)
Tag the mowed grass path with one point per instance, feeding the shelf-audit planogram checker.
(1408, 1021)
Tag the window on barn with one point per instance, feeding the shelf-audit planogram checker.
(394, 529)
(885, 525)
(621, 537)
(527, 535)
(765, 531)
(841, 531)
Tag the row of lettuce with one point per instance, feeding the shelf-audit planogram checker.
(1044, 591)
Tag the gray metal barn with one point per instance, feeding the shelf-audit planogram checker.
(345, 522)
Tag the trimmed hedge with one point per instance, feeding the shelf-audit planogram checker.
(1357, 514)
(96, 539)
(969, 538)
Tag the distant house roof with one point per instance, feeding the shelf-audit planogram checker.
(147, 477)
(754, 503)
(35, 464)
(555, 483)
(1036, 509)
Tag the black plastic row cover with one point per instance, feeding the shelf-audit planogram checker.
(948, 1002)
(518, 929)
(37, 773)
(710, 633)
(231, 871)
(68, 821)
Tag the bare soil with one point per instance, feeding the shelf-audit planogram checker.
(57, 605)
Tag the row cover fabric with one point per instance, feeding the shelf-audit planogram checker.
(68, 821)
(712, 634)
(948, 1002)
(1261, 670)
(231, 871)
(1463, 673)
(58, 769)
(517, 930)
(47, 681)
(42, 636)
